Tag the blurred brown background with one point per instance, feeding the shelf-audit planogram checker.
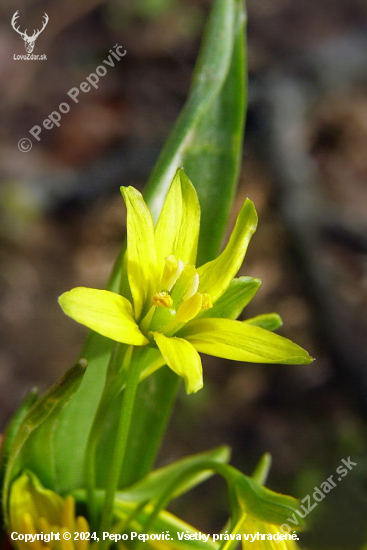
(304, 165)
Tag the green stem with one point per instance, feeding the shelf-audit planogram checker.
(115, 379)
(123, 429)
(109, 393)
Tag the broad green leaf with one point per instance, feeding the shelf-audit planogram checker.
(207, 141)
(146, 427)
(189, 144)
(242, 342)
(267, 321)
(41, 420)
(230, 305)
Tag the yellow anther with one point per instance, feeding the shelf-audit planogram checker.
(189, 309)
(162, 299)
(207, 301)
(171, 272)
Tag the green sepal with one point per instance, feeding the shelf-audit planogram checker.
(265, 505)
(268, 321)
(262, 469)
(238, 294)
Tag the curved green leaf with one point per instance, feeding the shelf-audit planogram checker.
(150, 486)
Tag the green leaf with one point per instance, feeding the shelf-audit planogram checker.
(268, 321)
(33, 444)
(207, 137)
(207, 141)
(159, 480)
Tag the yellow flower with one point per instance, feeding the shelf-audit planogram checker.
(170, 304)
(259, 535)
(38, 512)
(42, 514)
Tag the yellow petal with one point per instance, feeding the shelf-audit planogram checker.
(183, 359)
(178, 225)
(105, 312)
(68, 513)
(141, 251)
(216, 275)
(242, 342)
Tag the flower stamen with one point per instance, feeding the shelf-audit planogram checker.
(207, 301)
(162, 299)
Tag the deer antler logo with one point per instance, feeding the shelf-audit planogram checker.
(29, 40)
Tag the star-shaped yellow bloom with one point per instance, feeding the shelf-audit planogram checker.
(170, 304)
(39, 517)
